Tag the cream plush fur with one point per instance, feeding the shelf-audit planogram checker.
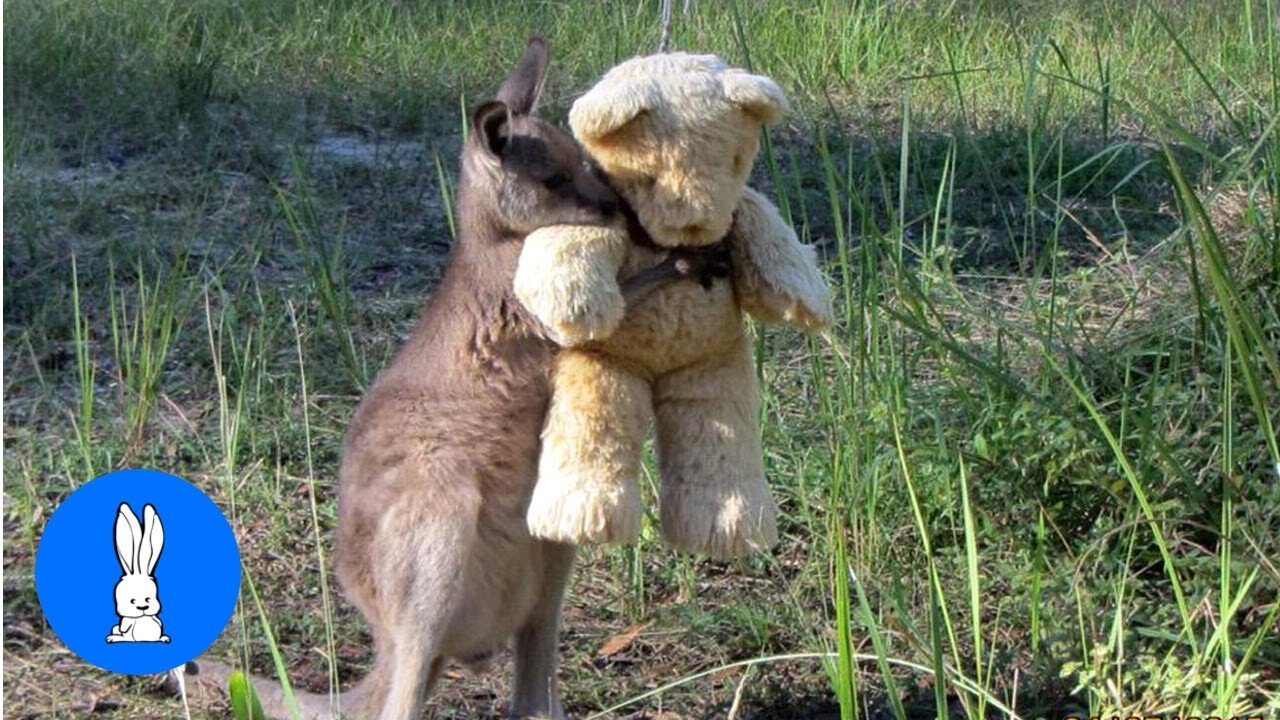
(677, 135)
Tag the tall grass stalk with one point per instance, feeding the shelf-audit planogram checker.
(231, 414)
(446, 187)
(972, 564)
(277, 659)
(326, 602)
(82, 420)
(844, 673)
(1253, 349)
(324, 263)
(145, 325)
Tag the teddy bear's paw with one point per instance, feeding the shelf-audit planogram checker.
(586, 323)
(811, 314)
(573, 316)
(584, 513)
(567, 277)
(724, 523)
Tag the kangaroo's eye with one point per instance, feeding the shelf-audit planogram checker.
(146, 599)
(558, 180)
(133, 600)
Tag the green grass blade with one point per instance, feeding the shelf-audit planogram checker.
(1140, 494)
(277, 660)
(244, 699)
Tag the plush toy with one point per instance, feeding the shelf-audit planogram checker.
(677, 135)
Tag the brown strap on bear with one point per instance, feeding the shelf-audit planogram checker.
(704, 263)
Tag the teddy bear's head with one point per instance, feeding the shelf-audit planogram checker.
(678, 133)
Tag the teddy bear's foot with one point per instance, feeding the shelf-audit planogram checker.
(725, 521)
(572, 510)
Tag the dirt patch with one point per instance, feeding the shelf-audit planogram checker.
(363, 151)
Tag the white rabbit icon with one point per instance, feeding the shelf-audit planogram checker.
(137, 596)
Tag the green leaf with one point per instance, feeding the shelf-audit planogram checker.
(244, 701)
(980, 446)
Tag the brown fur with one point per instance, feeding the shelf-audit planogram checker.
(441, 456)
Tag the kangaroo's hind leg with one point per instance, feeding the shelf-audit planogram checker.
(536, 692)
(413, 674)
(419, 593)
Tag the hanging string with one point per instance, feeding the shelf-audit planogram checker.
(664, 43)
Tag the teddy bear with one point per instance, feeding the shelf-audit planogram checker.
(676, 134)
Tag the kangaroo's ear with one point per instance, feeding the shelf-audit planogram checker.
(128, 535)
(492, 125)
(152, 540)
(522, 88)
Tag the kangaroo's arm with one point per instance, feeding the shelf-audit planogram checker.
(703, 266)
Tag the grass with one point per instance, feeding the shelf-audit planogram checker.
(1032, 471)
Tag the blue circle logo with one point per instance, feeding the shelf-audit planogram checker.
(137, 571)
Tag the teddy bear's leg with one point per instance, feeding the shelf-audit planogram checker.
(591, 444)
(714, 499)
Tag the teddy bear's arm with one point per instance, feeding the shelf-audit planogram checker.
(567, 276)
(775, 277)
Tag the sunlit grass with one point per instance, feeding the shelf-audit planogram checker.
(1032, 471)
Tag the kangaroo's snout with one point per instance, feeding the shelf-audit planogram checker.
(596, 192)
(520, 172)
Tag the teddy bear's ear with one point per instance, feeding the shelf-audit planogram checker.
(606, 110)
(757, 95)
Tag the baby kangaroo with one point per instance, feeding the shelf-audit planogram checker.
(441, 457)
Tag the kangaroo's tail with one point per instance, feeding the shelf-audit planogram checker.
(206, 682)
